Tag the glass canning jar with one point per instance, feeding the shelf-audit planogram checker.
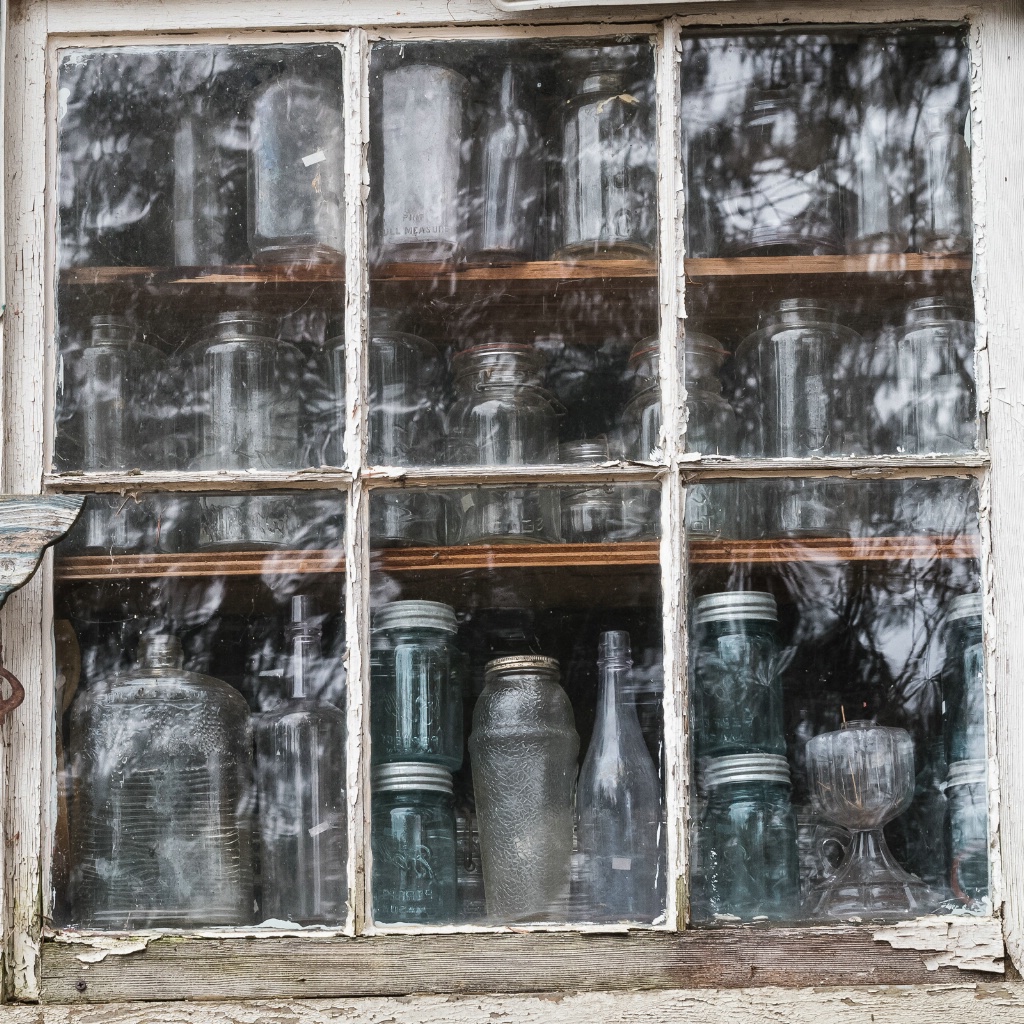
(591, 514)
(412, 838)
(935, 366)
(967, 802)
(416, 684)
(963, 681)
(609, 181)
(736, 686)
(946, 198)
(747, 840)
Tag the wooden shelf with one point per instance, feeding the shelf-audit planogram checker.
(525, 556)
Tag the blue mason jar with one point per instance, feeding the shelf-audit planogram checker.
(737, 691)
(967, 801)
(963, 681)
(416, 684)
(413, 843)
(747, 842)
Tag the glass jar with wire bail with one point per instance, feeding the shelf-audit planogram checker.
(747, 842)
(412, 839)
(502, 416)
(592, 514)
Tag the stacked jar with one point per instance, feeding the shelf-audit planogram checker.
(740, 745)
(592, 514)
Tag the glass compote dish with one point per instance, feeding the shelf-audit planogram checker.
(861, 777)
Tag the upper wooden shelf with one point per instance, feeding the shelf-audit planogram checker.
(513, 556)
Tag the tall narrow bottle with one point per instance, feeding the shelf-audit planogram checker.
(618, 803)
(300, 777)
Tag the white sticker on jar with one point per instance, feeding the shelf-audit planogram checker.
(319, 829)
(621, 863)
(467, 502)
(314, 158)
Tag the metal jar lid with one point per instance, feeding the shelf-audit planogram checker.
(416, 615)
(966, 606)
(522, 663)
(966, 773)
(736, 604)
(738, 768)
(410, 776)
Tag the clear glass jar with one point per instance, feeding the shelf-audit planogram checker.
(423, 121)
(747, 840)
(412, 838)
(237, 522)
(523, 748)
(736, 686)
(507, 192)
(162, 837)
(967, 800)
(416, 680)
(297, 171)
(334, 346)
(470, 872)
(946, 224)
(609, 178)
(935, 366)
(119, 399)
(591, 514)
(963, 681)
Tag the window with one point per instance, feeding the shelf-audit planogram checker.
(456, 573)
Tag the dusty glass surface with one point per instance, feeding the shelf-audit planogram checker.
(801, 148)
(200, 700)
(513, 228)
(838, 696)
(200, 258)
(521, 675)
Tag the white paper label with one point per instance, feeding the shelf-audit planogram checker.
(314, 158)
(318, 829)
(467, 502)
(621, 863)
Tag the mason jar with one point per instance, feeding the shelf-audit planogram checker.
(945, 214)
(412, 839)
(935, 367)
(967, 801)
(736, 685)
(963, 681)
(416, 684)
(747, 840)
(592, 514)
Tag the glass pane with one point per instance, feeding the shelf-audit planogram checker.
(834, 173)
(200, 646)
(501, 666)
(201, 242)
(513, 224)
(837, 678)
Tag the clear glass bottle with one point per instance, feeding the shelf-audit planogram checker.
(747, 841)
(297, 171)
(423, 121)
(736, 686)
(618, 800)
(416, 680)
(609, 178)
(507, 175)
(963, 681)
(935, 367)
(162, 835)
(523, 749)
(470, 872)
(412, 838)
(946, 223)
(591, 514)
(967, 799)
(300, 786)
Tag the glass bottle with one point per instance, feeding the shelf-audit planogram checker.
(507, 175)
(164, 763)
(416, 680)
(523, 749)
(946, 216)
(609, 180)
(963, 681)
(967, 797)
(297, 171)
(935, 367)
(423, 120)
(591, 514)
(470, 872)
(412, 838)
(300, 785)
(618, 800)
(747, 841)
(736, 686)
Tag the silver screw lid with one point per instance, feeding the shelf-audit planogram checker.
(409, 776)
(522, 663)
(736, 604)
(966, 606)
(737, 768)
(416, 615)
(966, 773)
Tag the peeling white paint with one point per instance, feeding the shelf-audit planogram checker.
(972, 944)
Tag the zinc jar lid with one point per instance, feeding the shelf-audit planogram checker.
(522, 663)
(416, 615)
(965, 773)
(737, 768)
(409, 776)
(966, 606)
(736, 604)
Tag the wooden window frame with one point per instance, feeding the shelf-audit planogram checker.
(361, 960)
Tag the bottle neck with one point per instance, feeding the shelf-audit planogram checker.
(305, 661)
(614, 697)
